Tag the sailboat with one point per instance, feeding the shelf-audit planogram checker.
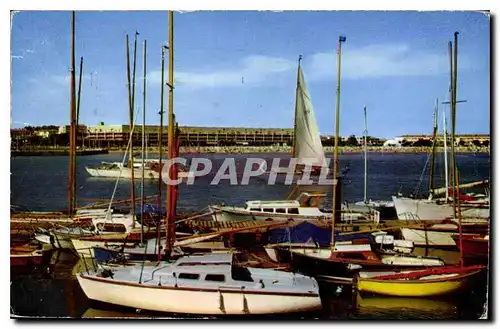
(206, 284)
(440, 212)
(340, 258)
(385, 208)
(307, 149)
(430, 282)
(307, 146)
(308, 152)
(437, 205)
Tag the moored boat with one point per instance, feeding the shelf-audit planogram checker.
(209, 284)
(420, 283)
(475, 247)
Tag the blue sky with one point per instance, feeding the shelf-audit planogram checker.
(239, 68)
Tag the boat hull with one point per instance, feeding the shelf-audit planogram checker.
(126, 173)
(409, 209)
(26, 260)
(193, 301)
(428, 238)
(415, 288)
(475, 249)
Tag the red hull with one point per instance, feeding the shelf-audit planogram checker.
(25, 260)
(473, 245)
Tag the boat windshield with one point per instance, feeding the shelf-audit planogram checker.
(241, 274)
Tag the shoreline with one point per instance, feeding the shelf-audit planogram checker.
(186, 150)
(288, 150)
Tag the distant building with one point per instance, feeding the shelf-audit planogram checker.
(82, 129)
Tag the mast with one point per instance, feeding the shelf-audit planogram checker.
(78, 99)
(433, 154)
(445, 137)
(366, 159)
(168, 229)
(160, 139)
(336, 182)
(131, 125)
(453, 121)
(296, 109)
(143, 140)
(72, 128)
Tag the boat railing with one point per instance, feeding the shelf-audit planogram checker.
(90, 263)
(410, 216)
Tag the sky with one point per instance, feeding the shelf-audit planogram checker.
(239, 68)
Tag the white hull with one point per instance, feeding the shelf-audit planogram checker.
(174, 300)
(407, 209)
(126, 173)
(223, 214)
(428, 238)
(85, 249)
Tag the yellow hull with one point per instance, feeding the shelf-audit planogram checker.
(414, 288)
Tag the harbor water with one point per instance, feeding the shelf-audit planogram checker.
(41, 184)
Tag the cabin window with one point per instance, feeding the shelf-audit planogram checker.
(241, 274)
(267, 209)
(189, 276)
(215, 277)
(293, 211)
(254, 209)
(281, 210)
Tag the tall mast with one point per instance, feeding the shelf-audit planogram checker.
(335, 152)
(72, 128)
(143, 140)
(79, 94)
(445, 138)
(366, 159)
(131, 126)
(453, 121)
(296, 109)
(170, 127)
(433, 154)
(160, 139)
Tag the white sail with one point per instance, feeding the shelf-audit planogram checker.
(308, 148)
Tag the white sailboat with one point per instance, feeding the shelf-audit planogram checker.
(368, 204)
(307, 147)
(209, 284)
(438, 206)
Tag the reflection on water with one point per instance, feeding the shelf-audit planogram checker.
(418, 308)
(56, 293)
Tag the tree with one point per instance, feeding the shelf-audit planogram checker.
(476, 142)
(352, 141)
(422, 142)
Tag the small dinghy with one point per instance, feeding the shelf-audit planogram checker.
(207, 284)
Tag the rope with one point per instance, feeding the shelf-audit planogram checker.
(417, 188)
(108, 215)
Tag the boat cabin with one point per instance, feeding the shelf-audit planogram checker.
(276, 207)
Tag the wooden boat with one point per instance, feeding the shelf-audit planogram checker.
(25, 256)
(209, 284)
(422, 283)
(440, 233)
(473, 245)
(347, 258)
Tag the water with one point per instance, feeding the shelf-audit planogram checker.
(40, 183)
